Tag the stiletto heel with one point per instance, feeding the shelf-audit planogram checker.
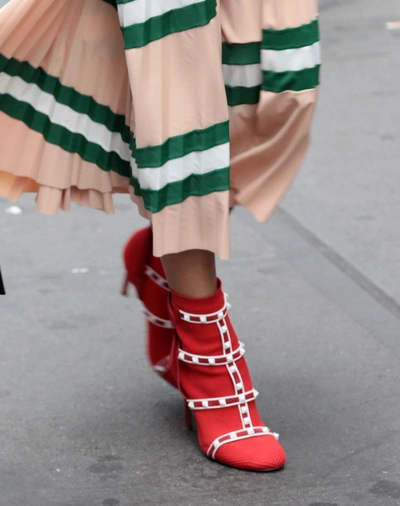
(188, 416)
(2, 289)
(125, 285)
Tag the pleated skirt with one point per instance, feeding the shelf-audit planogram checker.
(190, 106)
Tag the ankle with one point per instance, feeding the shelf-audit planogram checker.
(191, 273)
(200, 305)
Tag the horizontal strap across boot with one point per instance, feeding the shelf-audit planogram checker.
(215, 381)
(146, 273)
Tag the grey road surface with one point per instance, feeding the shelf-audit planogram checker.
(315, 297)
(348, 190)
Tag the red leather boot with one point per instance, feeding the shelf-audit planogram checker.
(213, 377)
(146, 273)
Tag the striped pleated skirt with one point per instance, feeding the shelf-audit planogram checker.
(191, 106)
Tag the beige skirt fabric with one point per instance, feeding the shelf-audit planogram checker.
(189, 105)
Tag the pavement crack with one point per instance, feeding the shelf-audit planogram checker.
(362, 281)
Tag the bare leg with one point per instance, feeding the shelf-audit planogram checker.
(191, 273)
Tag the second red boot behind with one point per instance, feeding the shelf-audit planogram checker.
(146, 273)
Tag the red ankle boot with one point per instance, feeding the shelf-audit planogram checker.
(146, 273)
(213, 377)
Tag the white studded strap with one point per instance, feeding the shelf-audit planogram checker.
(155, 320)
(189, 358)
(162, 365)
(152, 274)
(161, 369)
(237, 436)
(222, 402)
(206, 318)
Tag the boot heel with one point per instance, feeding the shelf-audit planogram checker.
(125, 285)
(188, 416)
(2, 289)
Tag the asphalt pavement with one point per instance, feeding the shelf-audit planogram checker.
(315, 297)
